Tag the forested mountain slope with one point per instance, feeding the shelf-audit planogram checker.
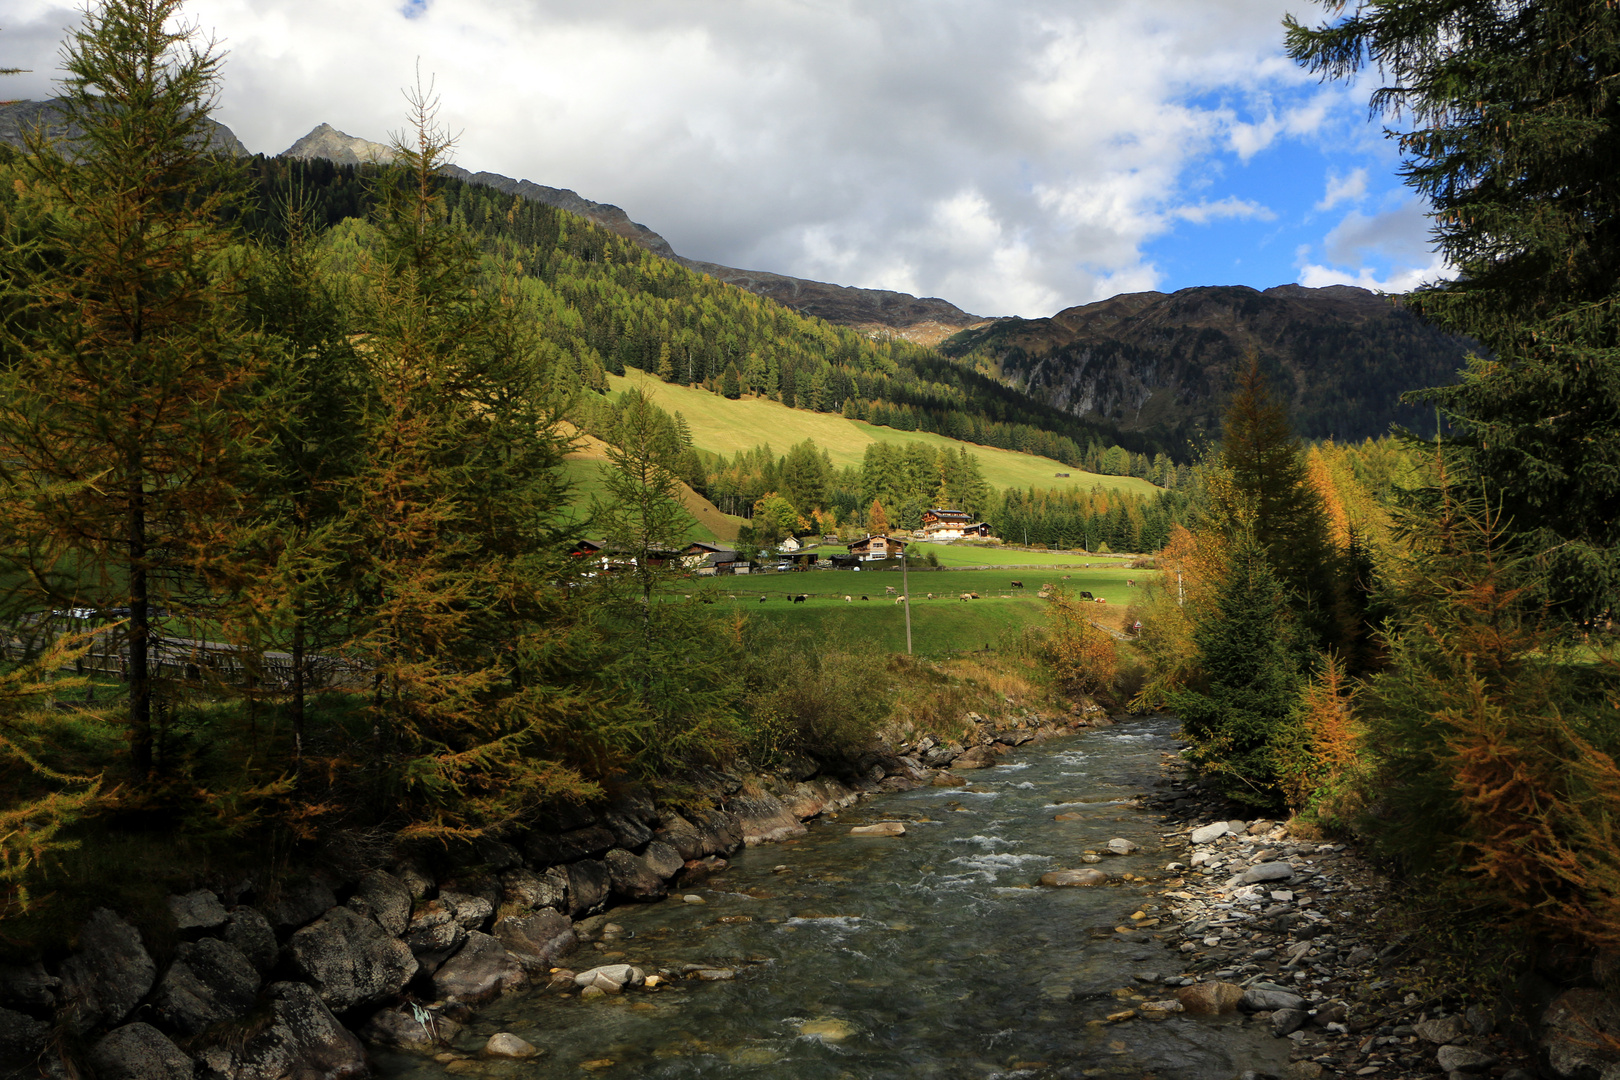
(1162, 364)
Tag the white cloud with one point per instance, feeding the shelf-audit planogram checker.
(1012, 157)
(1389, 252)
(1230, 207)
(1343, 189)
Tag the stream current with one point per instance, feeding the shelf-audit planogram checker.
(929, 955)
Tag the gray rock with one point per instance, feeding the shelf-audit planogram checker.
(209, 981)
(1287, 1021)
(200, 910)
(683, 836)
(503, 1044)
(632, 878)
(662, 859)
(1447, 1029)
(538, 940)
(1121, 846)
(401, 1028)
(1207, 833)
(721, 831)
(1573, 1030)
(529, 890)
(1481, 1021)
(390, 900)
(1465, 1060)
(497, 856)
(417, 881)
(109, 974)
(350, 960)
(471, 912)
(250, 932)
(1085, 878)
(480, 970)
(587, 886)
(303, 1041)
(545, 849)
(22, 1039)
(1237, 827)
(298, 904)
(611, 977)
(1210, 998)
(1266, 871)
(434, 934)
(139, 1052)
(764, 819)
(627, 831)
(1256, 1000)
(29, 987)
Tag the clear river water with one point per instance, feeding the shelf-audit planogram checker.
(929, 955)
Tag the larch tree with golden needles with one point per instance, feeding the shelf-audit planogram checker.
(124, 363)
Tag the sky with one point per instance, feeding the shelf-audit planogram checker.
(1015, 157)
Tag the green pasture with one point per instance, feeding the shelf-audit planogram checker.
(725, 427)
(939, 625)
(585, 475)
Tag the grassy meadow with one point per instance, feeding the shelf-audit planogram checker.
(725, 427)
(939, 625)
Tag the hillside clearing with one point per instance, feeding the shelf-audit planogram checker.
(725, 427)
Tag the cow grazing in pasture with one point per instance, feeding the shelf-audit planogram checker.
(846, 600)
(889, 589)
(966, 597)
(863, 598)
(1018, 584)
(800, 598)
(762, 599)
(900, 599)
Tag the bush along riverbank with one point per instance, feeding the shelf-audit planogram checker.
(1312, 940)
(261, 980)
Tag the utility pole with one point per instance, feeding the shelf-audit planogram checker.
(905, 597)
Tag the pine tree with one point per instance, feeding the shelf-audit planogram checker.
(1270, 479)
(1512, 139)
(730, 386)
(121, 405)
(1249, 698)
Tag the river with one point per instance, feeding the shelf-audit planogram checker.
(929, 955)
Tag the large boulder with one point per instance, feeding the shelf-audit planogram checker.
(303, 1041)
(1257, 1000)
(529, 890)
(472, 912)
(631, 877)
(1266, 871)
(627, 831)
(544, 849)
(979, 757)
(29, 987)
(351, 960)
(538, 940)
(683, 836)
(109, 974)
(209, 981)
(22, 1039)
(480, 970)
(389, 899)
(721, 831)
(1574, 1032)
(250, 931)
(662, 859)
(139, 1052)
(434, 934)
(299, 904)
(610, 978)
(587, 886)
(764, 819)
(196, 911)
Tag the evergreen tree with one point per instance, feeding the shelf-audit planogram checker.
(730, 385)
(1269, 476)
(1512, 139)
(121, 401)
(1247, 702)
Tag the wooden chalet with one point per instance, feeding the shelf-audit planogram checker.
(877, 547)
(952, 525)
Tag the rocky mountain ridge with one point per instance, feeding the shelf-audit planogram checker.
(1163, 363)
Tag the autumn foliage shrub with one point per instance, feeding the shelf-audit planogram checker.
(1496, 744)
(1082, 655)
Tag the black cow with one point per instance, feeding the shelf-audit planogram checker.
(801, 598)
(1018, 584)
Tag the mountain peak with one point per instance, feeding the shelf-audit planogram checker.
(326, 141)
